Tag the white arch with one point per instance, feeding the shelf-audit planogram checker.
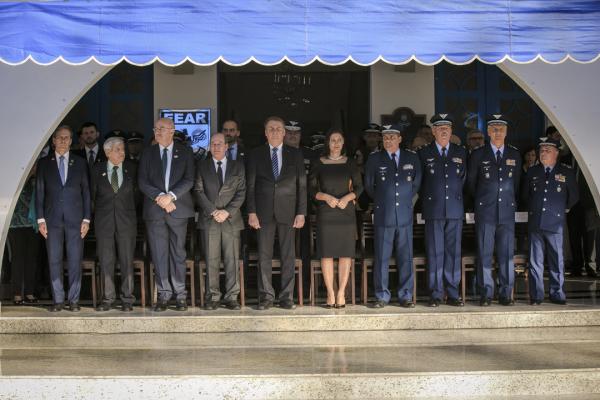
(39, 97)
(35, 99)
(569, 94)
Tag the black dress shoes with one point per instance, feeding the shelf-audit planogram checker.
(181, 305)
(233, 305)
(507, 302)
(160, 306)
(211, 305)
(265, 304)
(561, 302)
(104, 307)
(287, 304)
(378, 304)
(127, 307)
(590, 272)
(535, 302)
(74, 307)
(434, 302)
(485, 302)
(455, 302)
(406, 304)
(56, 307)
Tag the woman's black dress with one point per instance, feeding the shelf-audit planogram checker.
(336, 228)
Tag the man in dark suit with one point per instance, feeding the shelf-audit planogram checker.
(88, 139)
(444, 167)
(493, 181)
(392, 179)
(64, 212)
(114, 189)
(235, 150)
(276, 201)
(550, 190)
(165, 177)
(220, 191)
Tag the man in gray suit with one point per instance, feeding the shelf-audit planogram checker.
(220, 191)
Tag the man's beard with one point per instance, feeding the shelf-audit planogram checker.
(231, 139)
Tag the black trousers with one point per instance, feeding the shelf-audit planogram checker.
(116, 247)
(24, 245)
(266, 237)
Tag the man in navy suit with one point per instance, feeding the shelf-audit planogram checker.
(444, 172)
(64, 211)
(165, 177)
(276, 201)
(493, 180)
(550, 190)
(392, 178)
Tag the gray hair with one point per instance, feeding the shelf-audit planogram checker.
(110, 142)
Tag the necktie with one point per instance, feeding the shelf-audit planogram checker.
(114, 179)
(547, 172)
(91, 158)
(275, 163)
(164, 161)
(61, 169)
(230, 153)
(395, 161)
(220, 174)
(443, 152)
(498, 156)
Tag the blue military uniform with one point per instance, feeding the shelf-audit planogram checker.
(442, 202)
(392, 180)
(493, 180)
(550, 191)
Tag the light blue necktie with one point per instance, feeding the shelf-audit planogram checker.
(61, 169)
(275, 163)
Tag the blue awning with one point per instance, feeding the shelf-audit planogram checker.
(268, 32)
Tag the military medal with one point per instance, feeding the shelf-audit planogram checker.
(409, 178)
(487, 175)
(510, 174)
(383, 178)
(431, 170)
(558, 189)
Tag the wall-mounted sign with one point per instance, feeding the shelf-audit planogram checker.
(195, 124)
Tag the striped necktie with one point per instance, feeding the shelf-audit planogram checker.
(275, 163)
(114, 179)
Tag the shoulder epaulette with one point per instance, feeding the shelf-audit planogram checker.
(411, 151)
(513, 147)
(481, 146)
(566, 165)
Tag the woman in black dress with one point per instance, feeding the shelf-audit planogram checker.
(335, 183)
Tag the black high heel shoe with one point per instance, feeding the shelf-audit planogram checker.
(340, 306)
(328, 306)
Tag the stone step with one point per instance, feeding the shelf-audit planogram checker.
(306, 319)
(300, 365)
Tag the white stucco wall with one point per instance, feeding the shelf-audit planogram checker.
(391, 89)
(184, 91)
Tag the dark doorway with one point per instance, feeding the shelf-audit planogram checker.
(318, 96)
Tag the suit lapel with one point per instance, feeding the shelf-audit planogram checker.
(70, 167)
(212, 173)
(285, 155)
(54, 169)
(174, 162)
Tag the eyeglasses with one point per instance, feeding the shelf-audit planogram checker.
(163, 129)
(226, 130)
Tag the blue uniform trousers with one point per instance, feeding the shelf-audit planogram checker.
(501, 236)
(387, 239)
(58, 236)
(442, 243)
(550, 243)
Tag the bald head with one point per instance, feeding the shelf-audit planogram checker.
(164, 129)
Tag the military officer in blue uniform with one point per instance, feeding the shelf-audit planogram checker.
(551, 190)
(392, 179)
(444, 167)
(493, 181)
